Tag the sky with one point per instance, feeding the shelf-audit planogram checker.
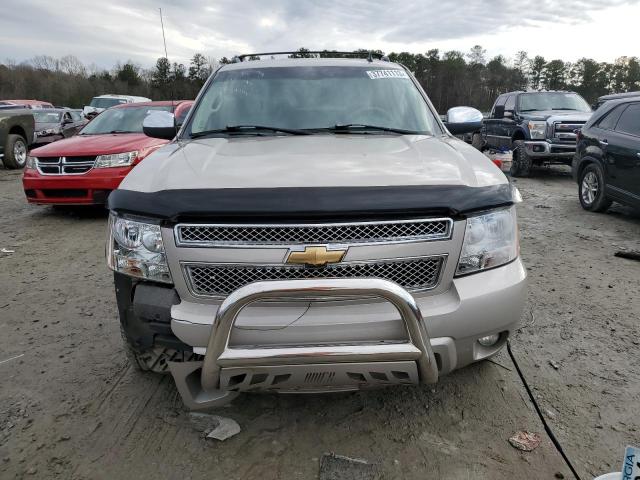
(105, 32)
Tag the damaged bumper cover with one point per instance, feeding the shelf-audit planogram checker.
(199, 383)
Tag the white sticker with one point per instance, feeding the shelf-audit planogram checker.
(374, 74)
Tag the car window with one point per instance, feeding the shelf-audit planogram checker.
(609, 121)
(510, 103)
(629, 121)
(182, 114)
(121, 120)
(317, 97)
(46, 117)
(76, 116)
(102, 102)
(499, 101)
(544, 101)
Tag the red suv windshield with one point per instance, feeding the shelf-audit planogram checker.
(121, 120)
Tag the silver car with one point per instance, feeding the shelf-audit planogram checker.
(313, 226)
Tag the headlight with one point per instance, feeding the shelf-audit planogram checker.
(538, 130)
(31, 162)
(115, 160)
(490, 240)
(135, 248)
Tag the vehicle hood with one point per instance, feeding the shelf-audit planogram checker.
(81, 145)
(557, 116)
(314, 161)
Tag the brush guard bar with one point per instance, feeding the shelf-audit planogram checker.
(219, 355)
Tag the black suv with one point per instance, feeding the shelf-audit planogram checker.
(538, 126)
(607, 163)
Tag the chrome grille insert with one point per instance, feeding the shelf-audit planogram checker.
(565, 132)
(219, 280)
(203, 235)
(64, 165)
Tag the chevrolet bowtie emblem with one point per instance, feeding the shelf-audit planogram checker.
(316, 256)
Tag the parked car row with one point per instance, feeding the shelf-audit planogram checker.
(85, 168)
(235, 210)
(47, 124)
(559, 127)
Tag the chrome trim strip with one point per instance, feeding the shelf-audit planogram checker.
(620, 190)
(424, 238)
(189, 281)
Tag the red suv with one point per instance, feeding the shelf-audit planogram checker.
(84, 169)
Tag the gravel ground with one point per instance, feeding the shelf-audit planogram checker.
(72, 407)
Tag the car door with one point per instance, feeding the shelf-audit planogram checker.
(508, 124)
(78, 121)
(623, 153)
(493, 125)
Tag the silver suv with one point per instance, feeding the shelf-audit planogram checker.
(313, 226)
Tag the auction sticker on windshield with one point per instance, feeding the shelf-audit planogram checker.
(375, 74)
(631, 464)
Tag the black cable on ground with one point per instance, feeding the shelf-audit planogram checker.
(547, 429)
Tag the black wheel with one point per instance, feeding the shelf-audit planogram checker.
(521, 162)
(154, 359)
(477, 141)
(15, 151)
(591, 189)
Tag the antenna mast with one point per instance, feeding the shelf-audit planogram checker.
(166, 56)
(163, 37)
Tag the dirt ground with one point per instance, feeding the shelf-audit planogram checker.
(72, 407)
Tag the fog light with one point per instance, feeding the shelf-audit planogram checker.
(489, 340)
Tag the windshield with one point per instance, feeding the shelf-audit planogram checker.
(313, 98)
(99, 102)
(47, 117)
(553, 101)
(121, 120)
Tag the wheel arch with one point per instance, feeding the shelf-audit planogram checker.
(518, 135)
(18, 130)
(584, 163)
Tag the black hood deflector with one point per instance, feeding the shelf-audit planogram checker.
(310, 203)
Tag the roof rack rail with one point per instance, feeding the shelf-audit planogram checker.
(369, 55)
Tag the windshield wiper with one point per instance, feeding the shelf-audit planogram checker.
(121, 131)
(350, 127)
(247, 129)
(565, 109)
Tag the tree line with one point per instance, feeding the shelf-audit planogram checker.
(450, 78)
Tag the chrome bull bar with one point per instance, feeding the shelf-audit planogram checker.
(205, 392)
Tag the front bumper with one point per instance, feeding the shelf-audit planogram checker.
(402, 340)
(545, 149)
(90, 188)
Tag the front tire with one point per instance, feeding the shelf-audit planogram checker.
(591, 189)
(154, 359)
(521, 162)
(15, 152)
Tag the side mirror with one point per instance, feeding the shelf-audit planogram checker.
(463, 120)
(508, 114)
(160, 124)
(66, 121)
(498, 111)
